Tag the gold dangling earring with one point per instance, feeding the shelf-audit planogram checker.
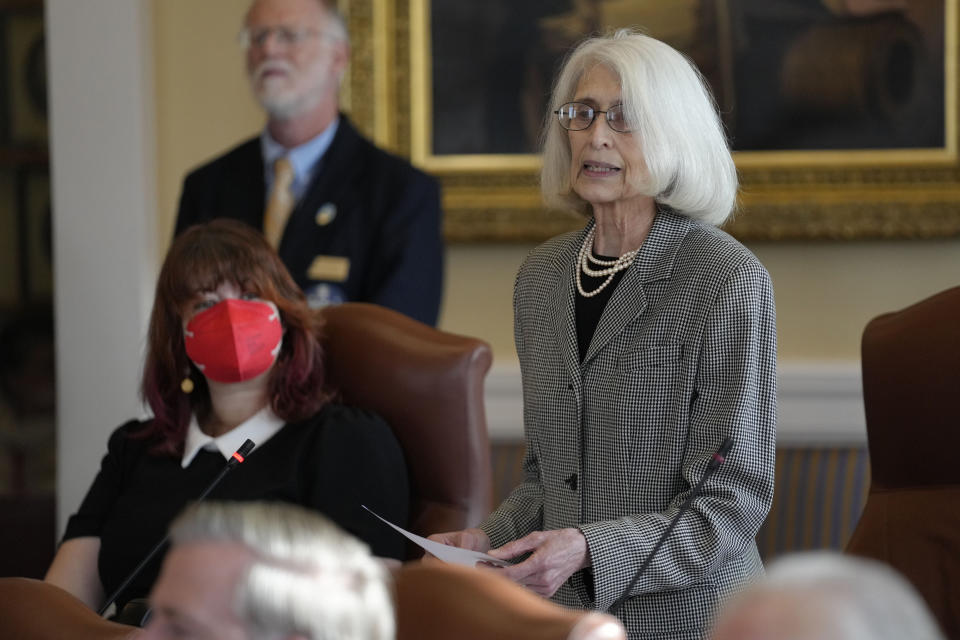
(186, 385)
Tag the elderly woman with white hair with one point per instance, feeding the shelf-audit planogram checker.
(645, 340)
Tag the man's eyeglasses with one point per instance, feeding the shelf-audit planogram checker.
(576, 116)
(287, 36)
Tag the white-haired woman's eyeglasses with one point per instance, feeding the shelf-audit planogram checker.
(577, 116)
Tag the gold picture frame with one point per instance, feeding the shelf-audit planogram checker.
(786, 194)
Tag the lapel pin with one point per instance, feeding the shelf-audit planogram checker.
(326, 214)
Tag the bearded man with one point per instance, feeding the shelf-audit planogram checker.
(350, 221)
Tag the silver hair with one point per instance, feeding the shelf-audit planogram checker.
(306, 576)
(672, 115)
(864, 599)
(337, 26)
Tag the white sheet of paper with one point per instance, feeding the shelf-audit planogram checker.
(451, 555)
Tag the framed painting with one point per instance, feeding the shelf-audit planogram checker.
(842, 113)
(23, 73)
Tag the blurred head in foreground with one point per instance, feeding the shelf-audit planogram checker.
(258, 571)
(827, 596)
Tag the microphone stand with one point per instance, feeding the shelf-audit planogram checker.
(718, 458)
(238, 456)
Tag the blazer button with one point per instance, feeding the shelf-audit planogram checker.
(571, 482)
(569, 386)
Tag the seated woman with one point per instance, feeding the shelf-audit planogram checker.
(233, 353)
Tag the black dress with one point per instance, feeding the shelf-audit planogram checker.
(334, 462)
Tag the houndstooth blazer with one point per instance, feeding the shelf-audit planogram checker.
(683, 356)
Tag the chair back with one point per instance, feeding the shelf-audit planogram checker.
(428, 385)
(440, 601)
(911, 388)
(35, 610)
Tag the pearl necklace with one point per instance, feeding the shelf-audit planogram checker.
(610, 267)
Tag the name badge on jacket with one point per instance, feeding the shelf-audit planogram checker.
(329, 268)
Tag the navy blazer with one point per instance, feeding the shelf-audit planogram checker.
(367, 229)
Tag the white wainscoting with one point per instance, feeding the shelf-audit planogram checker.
(819, 403)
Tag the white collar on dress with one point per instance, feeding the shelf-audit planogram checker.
(259, 427)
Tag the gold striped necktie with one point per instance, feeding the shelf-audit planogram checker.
(280, 203)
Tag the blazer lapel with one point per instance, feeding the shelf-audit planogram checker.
(337, 163)
(654, 262)
(245, 199)
(564, 308)
(626, 304)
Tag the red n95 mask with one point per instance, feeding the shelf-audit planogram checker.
(234, 340)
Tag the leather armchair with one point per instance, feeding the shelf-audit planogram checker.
(438, 602)
(911, 388)
(428, 385)
(35, 610)
(434, 602)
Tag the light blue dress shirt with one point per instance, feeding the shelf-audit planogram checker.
(305, 159)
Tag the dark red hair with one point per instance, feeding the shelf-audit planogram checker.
(200, 259)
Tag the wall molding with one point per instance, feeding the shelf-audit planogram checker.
(819, 404)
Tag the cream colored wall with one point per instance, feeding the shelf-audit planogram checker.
(825, 291)
(203, 103)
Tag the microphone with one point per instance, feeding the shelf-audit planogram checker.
(238, 456)
(715, 461)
